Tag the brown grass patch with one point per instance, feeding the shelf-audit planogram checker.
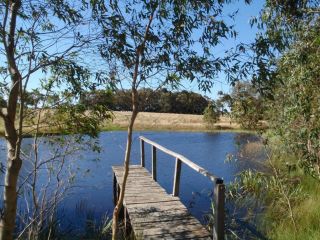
(167, 121)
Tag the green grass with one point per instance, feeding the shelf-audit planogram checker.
(116, 127)
(112, 127)
(273, 192)
(306, 210)
(306, 215)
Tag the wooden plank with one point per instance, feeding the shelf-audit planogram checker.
(172, 235)
(132, 170)
(165, 224)
(141, 177)
(154, 213)
(157, 217)
(159, 202)
(195, 230)
(162, 213)
(171, 204)
(144, 200)
(143, 182)
(147, 196)
(151, 189)
(155, 208)
(120, 167)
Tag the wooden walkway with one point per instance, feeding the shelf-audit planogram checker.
(153, 213)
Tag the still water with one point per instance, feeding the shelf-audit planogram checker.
(93, 179)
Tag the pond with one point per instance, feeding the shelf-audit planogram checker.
(92, 191)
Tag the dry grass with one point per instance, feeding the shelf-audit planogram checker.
(167, 121)
(150, 121)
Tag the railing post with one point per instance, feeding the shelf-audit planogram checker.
(154, 163)
(142, 153)
(219, 198)
(176, 180)
(115, 189)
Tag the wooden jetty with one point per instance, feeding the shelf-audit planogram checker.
(155, 214)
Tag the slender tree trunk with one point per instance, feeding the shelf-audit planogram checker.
(13, 139)
(126, 165)
(7, 223)
(134, 100)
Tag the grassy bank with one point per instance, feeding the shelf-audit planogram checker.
(167, 121)
(281, 201)
(305, 223)
(153, 122)
(301, 198)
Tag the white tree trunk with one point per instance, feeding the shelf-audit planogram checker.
(7, 223)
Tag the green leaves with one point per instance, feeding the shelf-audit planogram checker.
(295, 112)
(75, 76)
(76, 119)
(247, 105)
(168, 48)
(211, 114)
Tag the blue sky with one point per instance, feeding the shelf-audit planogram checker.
(246, 34)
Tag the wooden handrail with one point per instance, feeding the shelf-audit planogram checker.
(219, 187)
(185, 160)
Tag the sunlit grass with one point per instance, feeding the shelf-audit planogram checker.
(147, 121)
(306, 214)
(289, 199)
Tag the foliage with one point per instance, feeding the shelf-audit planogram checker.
(48, 179)
(284, 68)
(287, 64)
(168, 56)
(211, 114)
(98, 97)
(40, 42)
(295, 110)
(161, 100)
(247, 105)
(281, 202)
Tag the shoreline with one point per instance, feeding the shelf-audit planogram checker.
(117, 128)
(161, 122)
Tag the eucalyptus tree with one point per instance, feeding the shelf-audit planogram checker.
(39, 46)
(296, 90)
(211, 114)
(286, 60)
(247, 106)
(157, 43)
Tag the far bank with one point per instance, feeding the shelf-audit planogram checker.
(154, 121)
(168, 121)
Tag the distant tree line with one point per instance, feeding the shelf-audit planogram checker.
(162, 100)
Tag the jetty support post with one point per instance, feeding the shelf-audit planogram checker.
(142, 153)
(176, 180)
(219, 199)
(154, 163)
(115, 189)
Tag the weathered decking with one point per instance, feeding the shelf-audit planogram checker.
(153, 213)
